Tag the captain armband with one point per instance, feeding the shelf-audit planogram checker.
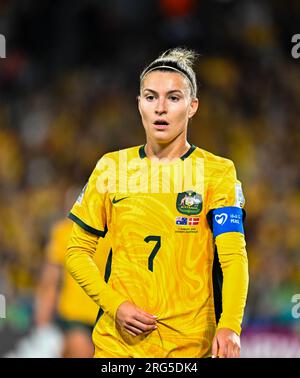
(227, 219)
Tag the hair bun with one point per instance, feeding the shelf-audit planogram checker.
(183, 56)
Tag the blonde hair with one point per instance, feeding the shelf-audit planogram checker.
(176, 59)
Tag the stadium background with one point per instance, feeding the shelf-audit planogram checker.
(68, 87)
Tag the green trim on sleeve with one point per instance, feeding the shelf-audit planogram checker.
(87, 227)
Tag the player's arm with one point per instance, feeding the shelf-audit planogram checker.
(81, 265)
(227, 224)
(90, 216)
(48, 287)
(47, 294)
(231, 248)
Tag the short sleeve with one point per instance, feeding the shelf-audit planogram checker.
(89, 209)
(226, 189)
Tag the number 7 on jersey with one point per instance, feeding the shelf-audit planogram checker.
(156, 248)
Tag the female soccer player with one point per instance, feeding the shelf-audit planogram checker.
(60, 300)
(176, 281)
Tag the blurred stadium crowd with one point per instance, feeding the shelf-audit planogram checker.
(68, 95)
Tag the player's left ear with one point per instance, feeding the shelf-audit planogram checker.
(193, 107)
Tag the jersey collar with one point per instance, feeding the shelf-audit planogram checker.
(143, 155)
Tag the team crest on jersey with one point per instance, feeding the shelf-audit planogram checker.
(189, 202)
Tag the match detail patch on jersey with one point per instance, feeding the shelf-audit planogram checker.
(227, 219)
(191, 221)
(189, 203)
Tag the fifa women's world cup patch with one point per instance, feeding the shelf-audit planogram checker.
(227, 219)
(80, 197)
(239, 196)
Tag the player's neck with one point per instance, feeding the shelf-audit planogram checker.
(169, 151)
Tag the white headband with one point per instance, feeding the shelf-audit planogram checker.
(170, 68)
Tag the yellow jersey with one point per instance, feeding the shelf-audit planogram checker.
(162, 245)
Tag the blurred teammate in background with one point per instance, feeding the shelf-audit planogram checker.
(174, 212)
(61, 301)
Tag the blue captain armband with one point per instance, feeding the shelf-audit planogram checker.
(227, 219)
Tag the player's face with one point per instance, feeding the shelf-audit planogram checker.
(166, 105)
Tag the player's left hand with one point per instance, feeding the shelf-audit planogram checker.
(226, 344)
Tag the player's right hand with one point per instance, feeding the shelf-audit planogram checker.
(134, 320)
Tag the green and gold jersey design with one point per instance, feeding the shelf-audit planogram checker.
(162, 245)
